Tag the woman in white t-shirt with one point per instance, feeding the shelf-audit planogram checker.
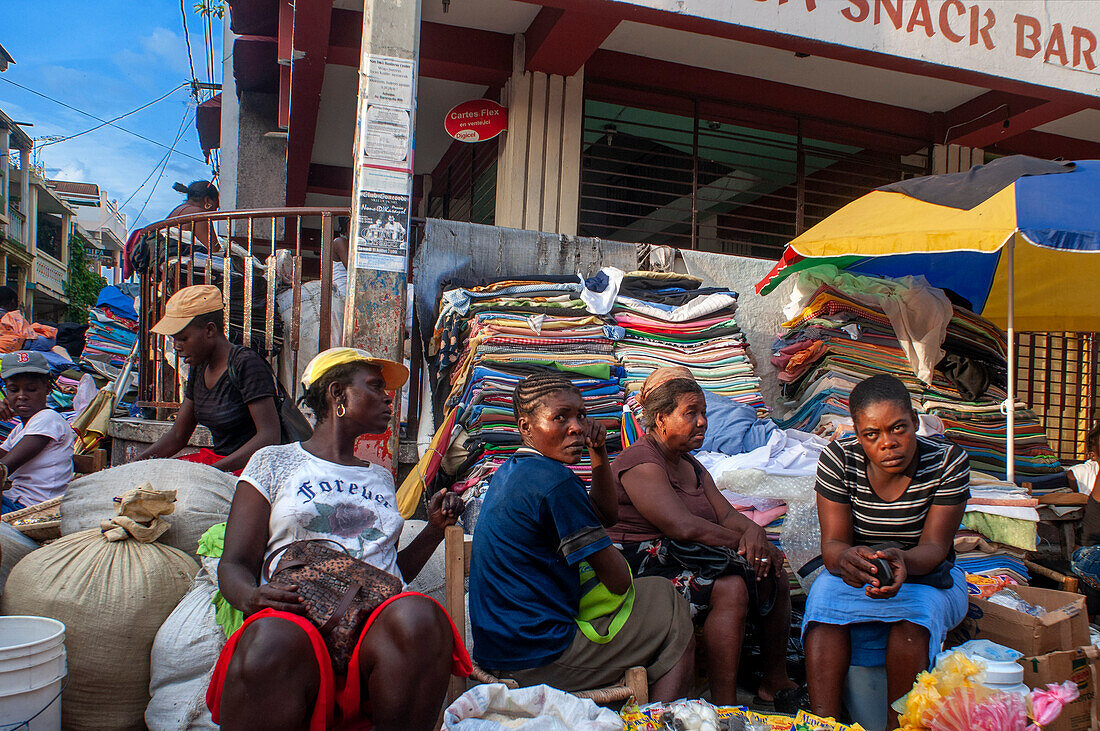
(38, 453)
(1083, 476)
(318, 489)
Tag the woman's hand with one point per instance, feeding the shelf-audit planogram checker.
(282, 597)
(896, 559)
(444, 509)
(758, 550)
(856, 568)
(596, 438)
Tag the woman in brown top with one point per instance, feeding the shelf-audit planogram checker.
(673, 522)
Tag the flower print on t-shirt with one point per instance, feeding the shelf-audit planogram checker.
(347, 521)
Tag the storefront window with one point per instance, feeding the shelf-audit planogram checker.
(50, 237)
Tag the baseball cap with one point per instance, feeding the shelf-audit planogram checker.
(23, 361)
(395, 374)
(185, 305)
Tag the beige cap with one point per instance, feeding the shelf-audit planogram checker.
(185, 305)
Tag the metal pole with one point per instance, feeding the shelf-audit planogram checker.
(695, 174)
(1010, 403)
(375, 311)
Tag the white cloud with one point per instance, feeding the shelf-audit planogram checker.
(169, 49)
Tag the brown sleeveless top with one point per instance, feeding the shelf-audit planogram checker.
(633, 527)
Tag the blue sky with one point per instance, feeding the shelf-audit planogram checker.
(108, 57)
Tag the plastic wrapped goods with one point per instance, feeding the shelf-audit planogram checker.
(112, 588)
(13, 547)
(203, 496)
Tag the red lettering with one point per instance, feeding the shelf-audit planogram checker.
(975, 31)
(811, 5)
(862, 11)
(1027, 36)
(922, 17)
(945, 25)
(1056, 46)
(1083, 51)
(892, 11)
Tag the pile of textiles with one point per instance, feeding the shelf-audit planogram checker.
(999, 528)
(841, 335)
(489, 338)
(675, 322)
(112, 332)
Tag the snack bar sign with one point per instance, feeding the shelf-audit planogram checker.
(476, 121)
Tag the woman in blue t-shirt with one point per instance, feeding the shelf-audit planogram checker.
(539, 532)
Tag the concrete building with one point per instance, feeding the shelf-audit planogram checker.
(724, 125)
(34, 255)
(99, 220)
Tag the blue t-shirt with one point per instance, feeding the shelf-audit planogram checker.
(536, 524)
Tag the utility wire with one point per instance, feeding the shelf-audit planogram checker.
(167, 158)
(190, 57)
(154, 170)
(98, 119)
(111, 121)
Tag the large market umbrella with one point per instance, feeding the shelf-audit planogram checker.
(972, 233)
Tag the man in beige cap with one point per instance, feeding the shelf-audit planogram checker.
(230, 389)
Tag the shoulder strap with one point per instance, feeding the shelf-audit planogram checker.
(234, 378)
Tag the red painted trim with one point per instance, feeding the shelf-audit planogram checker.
(284, 97)
(286, 30)
(615, 68)
(1047, 145)
(448, 52)
(797, 44)
(561, 41)
(1012, 124)
(307, 74)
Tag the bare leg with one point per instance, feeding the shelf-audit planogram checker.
(273, 678)
(828, 655)
(723, 633)
(906, 655)
(405, 661)
(775, 630)
(676, 683)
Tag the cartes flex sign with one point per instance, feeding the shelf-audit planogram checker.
(476, 121)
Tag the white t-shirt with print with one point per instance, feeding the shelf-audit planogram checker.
(1085, 474)
(46, 475)
(313, 498)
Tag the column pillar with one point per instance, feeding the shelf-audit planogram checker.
(539, 163)
(374, 314)
(955, 159)
(25, 194)
(5, 170)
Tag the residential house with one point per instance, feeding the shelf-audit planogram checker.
(98, 220)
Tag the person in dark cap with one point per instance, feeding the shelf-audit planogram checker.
(37, 456)
(238, 408)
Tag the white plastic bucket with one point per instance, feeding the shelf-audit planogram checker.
(32, 669)
(865, 696)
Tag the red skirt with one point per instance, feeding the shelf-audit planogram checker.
(335, 690)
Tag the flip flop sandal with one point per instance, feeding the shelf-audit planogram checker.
(788, 701)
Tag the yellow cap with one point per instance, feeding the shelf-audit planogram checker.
(185, 305)
(395, 374)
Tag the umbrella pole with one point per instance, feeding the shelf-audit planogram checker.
(1010, 403)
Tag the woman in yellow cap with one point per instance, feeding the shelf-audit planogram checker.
(239, 407)
(673, 522)
(276, 666)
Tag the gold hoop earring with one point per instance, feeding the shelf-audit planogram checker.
(340, 411)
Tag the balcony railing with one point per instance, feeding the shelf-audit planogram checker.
(293, 240)
(15, 224)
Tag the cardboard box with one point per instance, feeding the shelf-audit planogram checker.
(1064, 627)
(1082, 666)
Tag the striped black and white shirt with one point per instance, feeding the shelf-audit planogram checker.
(942, 478)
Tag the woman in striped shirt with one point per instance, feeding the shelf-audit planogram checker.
(884, 493)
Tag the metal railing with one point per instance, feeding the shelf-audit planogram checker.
(1057, 377)
(222, 248)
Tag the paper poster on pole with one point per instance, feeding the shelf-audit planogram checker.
(390, 81)
(385, 135)
(381, 242)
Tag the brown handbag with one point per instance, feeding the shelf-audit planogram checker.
(339, 591)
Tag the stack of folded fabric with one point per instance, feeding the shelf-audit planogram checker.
(838, 338)
(110, 339)
(490, 338)
(681, 324)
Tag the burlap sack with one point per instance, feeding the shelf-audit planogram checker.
(112, 596)
(203, 495)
